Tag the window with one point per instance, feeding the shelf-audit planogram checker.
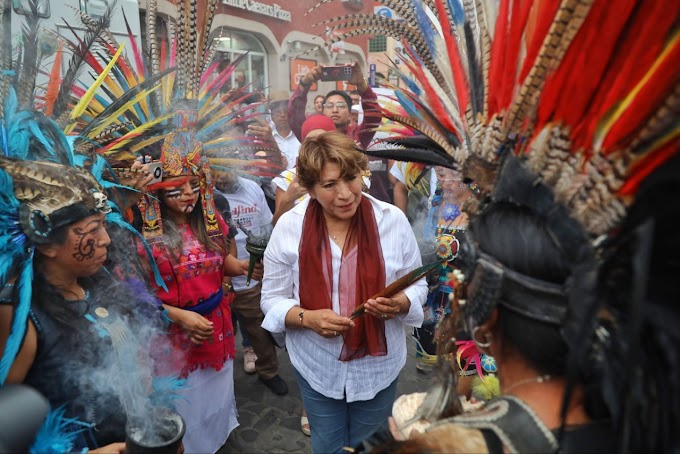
(22, 7)
(252, 70)
(94, 8)
(377, 44)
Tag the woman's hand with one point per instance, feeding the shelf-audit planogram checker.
(294, 191)
(326, 323)
(116, 448)
(388, 308)
(198, 328)
(137, 177)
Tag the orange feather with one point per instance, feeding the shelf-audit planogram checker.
(54, 83)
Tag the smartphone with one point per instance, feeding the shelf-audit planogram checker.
(336, 73)
(156, 169)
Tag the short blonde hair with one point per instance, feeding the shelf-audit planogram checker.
(334, 147)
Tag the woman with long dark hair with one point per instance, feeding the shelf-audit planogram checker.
(190, 243)
(74, 331)
(515, 307)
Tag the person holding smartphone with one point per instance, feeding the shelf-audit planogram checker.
(337, 105)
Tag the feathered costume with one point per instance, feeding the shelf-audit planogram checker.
(565, 107)
(192, 127)
(44, 186)
(175, 84)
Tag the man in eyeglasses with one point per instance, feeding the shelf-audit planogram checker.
(337, 106)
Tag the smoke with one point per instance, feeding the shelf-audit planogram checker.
(423, 219)
(120, 380)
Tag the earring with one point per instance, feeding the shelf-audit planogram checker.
(489, 339)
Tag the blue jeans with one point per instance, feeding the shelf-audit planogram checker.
(337, 423)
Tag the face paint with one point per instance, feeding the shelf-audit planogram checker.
(85, 243)
(173, 193)
(84, 250)
(182, 199)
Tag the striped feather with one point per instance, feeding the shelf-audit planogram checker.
(83, 102)
(564, 21)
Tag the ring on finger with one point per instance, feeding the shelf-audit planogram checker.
(384, 315)
(335, 333)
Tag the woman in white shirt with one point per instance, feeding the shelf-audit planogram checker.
(353, 246)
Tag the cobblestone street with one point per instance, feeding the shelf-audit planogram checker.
(271, 423)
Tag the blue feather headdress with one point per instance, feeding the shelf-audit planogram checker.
(36, 198)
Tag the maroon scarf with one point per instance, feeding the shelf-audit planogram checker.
(368, 335)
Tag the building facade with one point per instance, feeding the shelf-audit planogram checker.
(281, 39)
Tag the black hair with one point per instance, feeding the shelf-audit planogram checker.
(637, 306)
(50, 299)
(518, 238)
(355, 92)
(59, 235)
(344, 95)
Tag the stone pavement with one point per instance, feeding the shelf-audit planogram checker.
(271, 423)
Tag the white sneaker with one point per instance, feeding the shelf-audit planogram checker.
(249, 358)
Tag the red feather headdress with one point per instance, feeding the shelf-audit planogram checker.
(586, 91)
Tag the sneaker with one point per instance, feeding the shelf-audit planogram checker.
(276, 385)
(423, 368)
(249, 358)
(304, 426)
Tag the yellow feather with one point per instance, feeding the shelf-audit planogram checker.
(625, 103)
(218, 111)
(85, 100)
(112, 85)
(207, 104)
(137, 132)
(127, 106)
(145, 143)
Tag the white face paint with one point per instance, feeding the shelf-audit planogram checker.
(182, 199)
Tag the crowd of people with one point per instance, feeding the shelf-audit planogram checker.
(524, 242)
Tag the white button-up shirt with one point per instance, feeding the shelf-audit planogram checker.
(316, 357)
(289, 146)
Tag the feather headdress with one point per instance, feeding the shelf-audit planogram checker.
(41, 189)
(44, 183)
(38, 197)
(584, 92)
(173, 89)
(564, 106)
